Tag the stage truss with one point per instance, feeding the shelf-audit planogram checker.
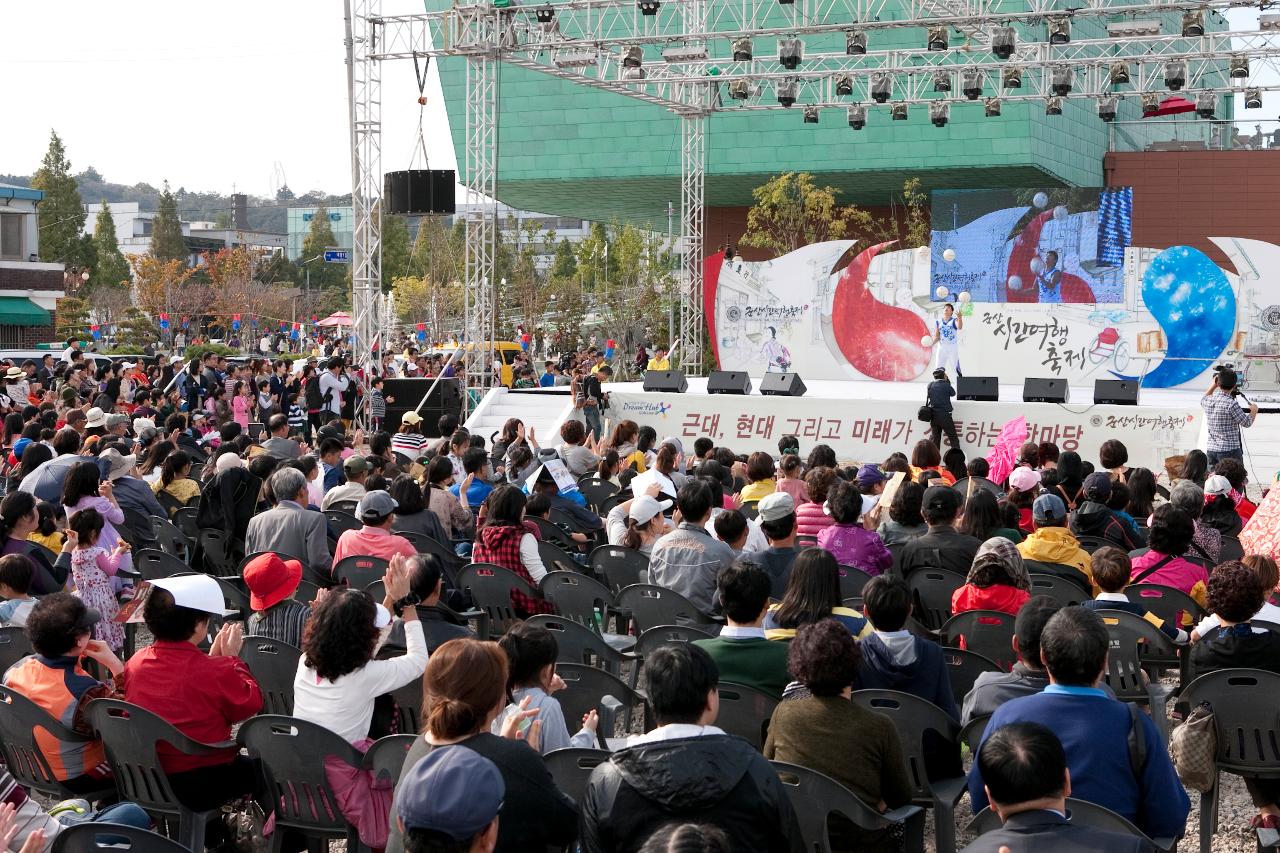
(681, 58)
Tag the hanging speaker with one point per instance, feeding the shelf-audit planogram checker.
(729, 382)
(419, 191)
(782, 385)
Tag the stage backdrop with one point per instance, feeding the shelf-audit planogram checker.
(860, 431)
(837, 310)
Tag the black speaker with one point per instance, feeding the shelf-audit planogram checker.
(408, 393)
(419, 191)
(1115, 392)
(668, 381)
(782, 385)
(985, 388)
(729, 382)
(1038, 390)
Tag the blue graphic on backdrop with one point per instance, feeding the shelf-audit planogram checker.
(1191, 299)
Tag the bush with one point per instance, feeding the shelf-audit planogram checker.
(200, 350)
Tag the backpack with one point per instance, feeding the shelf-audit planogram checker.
(312, 393)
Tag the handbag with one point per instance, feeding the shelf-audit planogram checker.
(1194, 745)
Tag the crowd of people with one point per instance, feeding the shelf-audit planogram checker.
(758, 545)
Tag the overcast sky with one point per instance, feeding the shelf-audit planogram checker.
(207, 95)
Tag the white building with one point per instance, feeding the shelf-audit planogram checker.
(29, 288)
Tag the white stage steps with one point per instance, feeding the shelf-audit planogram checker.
(542, 410)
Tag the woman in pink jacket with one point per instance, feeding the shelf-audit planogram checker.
(1170, 537)
(810, 517)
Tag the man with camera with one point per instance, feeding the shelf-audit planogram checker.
(1224, 416)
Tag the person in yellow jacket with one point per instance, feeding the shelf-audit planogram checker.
(660, 360)
(1052, 542)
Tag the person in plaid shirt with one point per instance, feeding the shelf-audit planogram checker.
(377, 404)
(1224, 417)
(507, 540)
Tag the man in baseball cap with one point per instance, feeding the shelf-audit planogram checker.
(272, 581)
(777, 516)
(376, 511)
(943, 547)
(450, 800)
(1094, 518)
(117, 423)
(357, 470)
(1053, 545)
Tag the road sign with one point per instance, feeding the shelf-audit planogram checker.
(337, 256)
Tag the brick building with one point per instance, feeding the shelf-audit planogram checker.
(29, 288)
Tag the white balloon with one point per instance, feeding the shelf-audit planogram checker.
(1015, 282)
(949, 255)
(964, 296)
(1040, 199)
(922, 251)
(942, 292)
(1037, 265)
(926, 341)
(1060, 213)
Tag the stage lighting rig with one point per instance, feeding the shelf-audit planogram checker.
(971, 83)
(1107, 108)
(1053, 106)
(939, 113)
(857, 117)
(790, 52)
(1004, 41)
(1175, 74)
(810, 115)
(855, 42)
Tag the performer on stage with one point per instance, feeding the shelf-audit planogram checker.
(1049, 279)
(946, 334)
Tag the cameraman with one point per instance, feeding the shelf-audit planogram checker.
(1224, 417)
(939, 395)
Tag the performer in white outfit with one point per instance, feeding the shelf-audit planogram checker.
(946, 334)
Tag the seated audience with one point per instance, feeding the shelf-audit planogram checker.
(272, 582)
(16, 573)
(943, 547)
(851, 543)
(290, 528)
(1220, 511)
(507, 540)
(1268, 578)
(791, 478)
(895, 659)
(439, 623)
(450, 802)
(376, 512)
(1052, 544)
(926, 456)
(1094, 518)
(356, 469)
(457, 521)
(688, 559)
(412, 515)
(1024, 488)
(1238, 478)
(777, 516)
(993, 689)
(734, 529)
(741, 652)
(175, 480)
(572, 505)
(811, 518)
(1171, 532)
(1111, 570)
(476, 473)
(998, 580)
(1206, 542)
(813, 593)
(984, 519)
(531, 680)
(760, 474)
(639, 523)
(906, 518)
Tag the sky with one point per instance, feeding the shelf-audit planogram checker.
(209, 96)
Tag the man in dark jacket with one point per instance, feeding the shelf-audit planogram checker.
(943, 547)
(939, 394)
(1094, 518)
(686, 770)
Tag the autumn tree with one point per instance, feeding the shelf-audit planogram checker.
(61, 211)
(791, 211)
(167, 242)
(73, 318)
(235, 289)
(438, 254)
(395, 250)
(437, 304)
(166, 287)
(135, 330)
(110, 269)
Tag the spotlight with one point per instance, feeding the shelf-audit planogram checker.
(1175, 74)
(1150, 104)
(1059, 30)
(545, 14)
(881, 87)
(786, 2)
(648, 7)
(810, 115)
(857, 117)
(787, 91)
(1239, 67)
(1053, 106)
(844, 84)
(632, 56)
(1011, 77)
(790, 52)
(971, 84)
(1061, 79)
(1107, 108)
(1253, 99)
(899, 112)
(855, 42)
(742, 49)
(1206, 104)
(575, 58)
(991, 107)
(684, 53)
(740, 90)
(939, 113)
(1119, 73)
(1134, 27)
(1003, 42)
(1193, 24)
(937, 38)
(636, 73)
(942, 81)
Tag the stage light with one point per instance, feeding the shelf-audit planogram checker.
(937, 38)
(1011, 77)
(844, 84)
(1150, 104)
(857, 117)
(740, 90)
(648, 7)
(971, 83)
(575, 58)
(1059, 30)
(633, 74)
(1145, 27)
(787, 90)
(942, 81)
(1193, 24)
(991, 107)
(898, 112)
(790, 52)
(881, 87)
(855, 42)
(1053, 106)
(545, 14)
(1239, 67)
(1107, 108)
(685, 53)
(1003, 42)
(1119, 73)
(742, 51)
(1253, 99)
(939, 113)
(632, 56)
(1206, 104)
(810, 115)
(1175, 74)
(1061, 79)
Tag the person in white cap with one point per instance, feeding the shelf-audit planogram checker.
(639, 522)
(777, 515)
(17, 386)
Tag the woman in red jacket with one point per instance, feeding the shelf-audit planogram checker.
(998, 580)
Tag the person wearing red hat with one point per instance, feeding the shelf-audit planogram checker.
(272, 582)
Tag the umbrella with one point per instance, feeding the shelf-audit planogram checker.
(338, 318)
(1171, 106)
(1004, 452)
(45, 482)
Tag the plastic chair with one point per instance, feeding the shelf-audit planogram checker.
(294, 752)
(931, 591)
(1136, 645)
(14, 646)
(359, 571)
(340, 522)
(913, 717)
(896, 550)
(235, 595)
(309, 575)
(1066, 593)
(749, 509)
(23, 725)
(585, 601)
(560, 517)
(133, 522)
(1166, 602)
(555, 559)
(620, 567)
(972, 732)
(385, 758)
(580, 644)
(852, 580)
(113, 838)
(168, 503)
(171, 540)
(1247, 728)
(450, 562)
(650, 606)
(804, 540)
(549, 532)
(1082, 813)
(1093, 543)
(588, 688)
(348, 507)
(596, 490)
(490, 588)
(987, 632)
(571, 768)
(662, 635)
(745, 712)
(130, 735)
(963, 668)
(273, 665)
(185, 520)
(962, 486)
(217, 555)
(408, 699)
(816, 796)
(1060, 570)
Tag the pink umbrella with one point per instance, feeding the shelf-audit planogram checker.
(1004, 453)
(338, 318)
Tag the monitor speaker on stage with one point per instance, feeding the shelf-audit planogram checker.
(729, 382)
(1036, 390)
(985, 388)
(782, 385)
(668, 381)
(1115, 392)
(419, 191)
(408, 393)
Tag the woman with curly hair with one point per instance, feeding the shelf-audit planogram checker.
(998, 580)
(824, 731)
(811, 519)
(338, 679)
(1268, 575)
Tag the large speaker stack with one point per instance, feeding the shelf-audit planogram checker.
(446, 398)
(419, 192)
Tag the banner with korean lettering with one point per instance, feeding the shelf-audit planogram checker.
(870, 430)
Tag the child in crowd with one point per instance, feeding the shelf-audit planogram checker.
(15, 588)
(266, 402)
(1111, 570)
(790, 478)
(731, 529)
(91, 570)
(531, 655)
(241, 404)
(47, 532)
(539, 505)
(377, 404)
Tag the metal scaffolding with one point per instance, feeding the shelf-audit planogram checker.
(481, 181)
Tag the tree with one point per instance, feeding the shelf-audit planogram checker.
(395, 250)
(110, 269)
(223, 220)
(61, 211)
(166, 287)
(438, 255)
(565, 264)
(791, 211)
(73, 318)
(234, 289)
(320, 237)
(592, 251)
(167, 242)
(136, 330)
(438, 305)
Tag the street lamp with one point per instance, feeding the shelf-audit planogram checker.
(306, 288)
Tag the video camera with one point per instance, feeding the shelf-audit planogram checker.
(1225, 376)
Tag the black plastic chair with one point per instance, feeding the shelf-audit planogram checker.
(450, 562)
(749, 509)
(1093, 543)
(650, 606)
(360, 571)
(1231, 549)
(556, 559)
(816, 796)
(549, 532)
(580, 644)
(596, 490)
(620, 567)
(588, 688)
(560, 517)
(235, 595)
(274, 665)
(27, 733)
(987, 632)
(914, 717)
(745, 712)
(852, 580)
(1138, 648)
(294, 752)
(168, 503)
(171, 540)
(662, 635)
(340, 521)
(490, 588)
(385, 759)
(972, 732)
(408, 699)
(931, 591)
(1064, 592)
(1166, 602)
(219, 554)
(135, 521)
(963, 668)
(1060, 570)
(113, 838)
(14, 646)
(896, 550)
(185, 520)
(348, 507)
(577, 597)
(130, 735)
(1081, 813)
(309, 575)
(571, 768)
